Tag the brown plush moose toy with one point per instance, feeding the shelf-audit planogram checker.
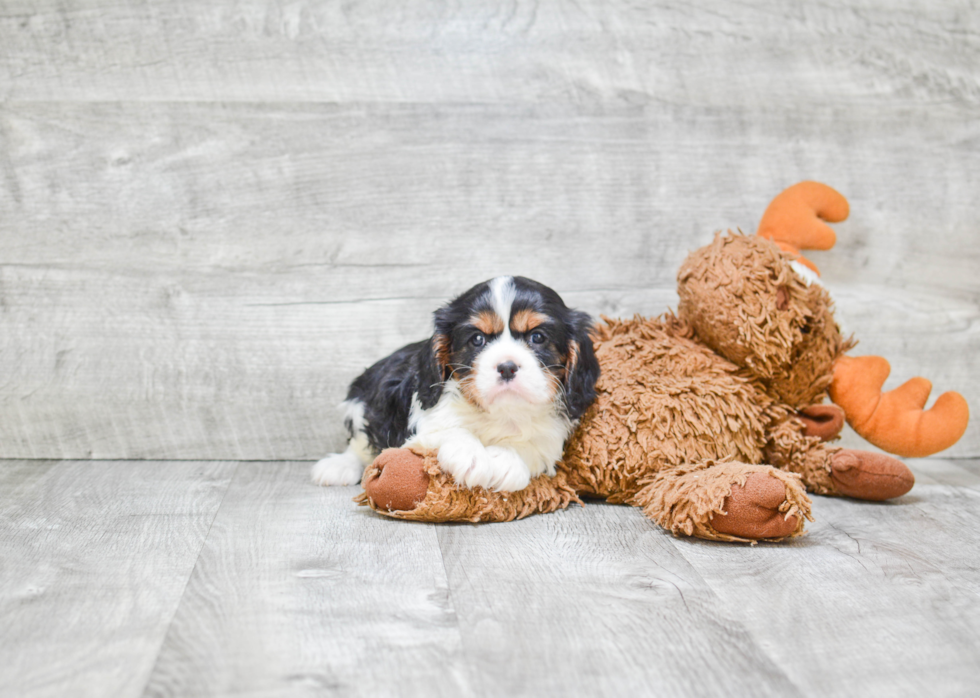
(711, 420)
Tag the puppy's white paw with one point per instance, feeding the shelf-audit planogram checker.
(492, 467)
(467, 461)
(510, 471)
(338, 469)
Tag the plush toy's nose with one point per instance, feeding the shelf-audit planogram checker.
(507, 370)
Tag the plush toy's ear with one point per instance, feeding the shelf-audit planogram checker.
(433, 368)
(581, 367)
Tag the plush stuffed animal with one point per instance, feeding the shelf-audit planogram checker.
(711, 420)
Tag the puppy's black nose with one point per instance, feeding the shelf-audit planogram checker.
(507, 370)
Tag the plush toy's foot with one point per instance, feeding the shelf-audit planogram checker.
(409, 484)
(753, 511)
(872, 476)
(726, 501)
(397, 480)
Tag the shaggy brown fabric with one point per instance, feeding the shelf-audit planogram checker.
(686, 498)
(807, 456)
(745, 302)
(662, 400)
(445, 501)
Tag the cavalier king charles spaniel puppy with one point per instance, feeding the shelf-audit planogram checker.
(497, 389)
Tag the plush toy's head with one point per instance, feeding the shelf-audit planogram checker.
(744, 300)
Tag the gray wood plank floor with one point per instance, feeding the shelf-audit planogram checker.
(242, 579)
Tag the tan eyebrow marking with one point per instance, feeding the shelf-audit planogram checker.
(488, 322)
(527, 320)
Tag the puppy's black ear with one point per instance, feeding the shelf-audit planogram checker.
(433, 368)
(581, 367)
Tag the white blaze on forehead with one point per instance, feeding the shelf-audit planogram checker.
(502, 294)
(530, 384)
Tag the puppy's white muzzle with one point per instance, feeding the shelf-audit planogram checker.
(507, 371)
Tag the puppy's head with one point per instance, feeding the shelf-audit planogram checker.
(511, 342)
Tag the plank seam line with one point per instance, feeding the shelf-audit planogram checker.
(183, 591)
(742, 625)
(452, 603)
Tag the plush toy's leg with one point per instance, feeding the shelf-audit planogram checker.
(726, 501)
(835, 471)
(408, 484)
(871, 476)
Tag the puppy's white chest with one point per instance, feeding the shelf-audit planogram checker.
(497, 430)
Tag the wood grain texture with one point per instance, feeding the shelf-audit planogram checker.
(214, 216)
(194, 579)
(596, 602)
(298, 592)
(712, 54)
(231, 330)
(94, 558)
(896, 584)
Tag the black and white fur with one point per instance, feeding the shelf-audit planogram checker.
(496, 390)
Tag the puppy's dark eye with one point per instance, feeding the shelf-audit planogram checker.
(478, 340)
(537, 338)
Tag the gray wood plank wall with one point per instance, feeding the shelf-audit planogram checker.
(214, 215)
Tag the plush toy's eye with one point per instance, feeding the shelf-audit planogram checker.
(537, 337)
(478, 340)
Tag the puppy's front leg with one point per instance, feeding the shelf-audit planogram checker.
(510, 471)
(472, 464)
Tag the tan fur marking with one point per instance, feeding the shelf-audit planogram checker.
(526, 320)
(441, 348)
(572, 359)
(467, 386)
(559, 374)
(488, 322)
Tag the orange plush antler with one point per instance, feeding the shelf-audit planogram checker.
(795, 219)
(895, 421)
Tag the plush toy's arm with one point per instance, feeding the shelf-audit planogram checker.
(895, 421)
(408, 483)
(822, 421)
(795, 219)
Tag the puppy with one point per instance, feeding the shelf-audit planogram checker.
(497, 389)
